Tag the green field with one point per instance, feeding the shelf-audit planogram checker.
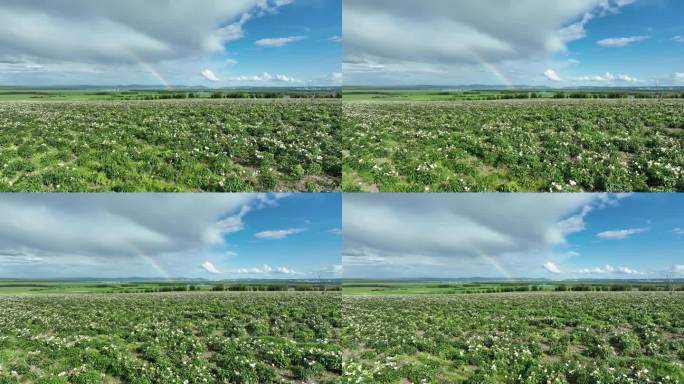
(513, 145)
(28, 94)
(196, 337)
(216, 145)
(29, 287)
(416, 287)
(535, 337)
(456, 94)
(361, 287)
(389, 331)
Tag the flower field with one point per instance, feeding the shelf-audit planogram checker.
(543, 145)
(606, 338)
(170, 338)
(186, 145)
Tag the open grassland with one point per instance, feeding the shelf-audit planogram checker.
(170, 338)
(29, 94)
(180, 145)
(514, 145)
(566, 337)
(38, 287)
(456, 93)
(397, 287)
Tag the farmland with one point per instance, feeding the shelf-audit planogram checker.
(420, 287)
(216, 145)
(542, 337)
(514, 145)
(196, 337)
(38, 287)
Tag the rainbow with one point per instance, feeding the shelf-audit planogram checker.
(494, 70)
(497, 265)
(155, 265)
(149, 68)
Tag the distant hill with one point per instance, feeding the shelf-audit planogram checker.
(142, 87)
(516, 280)
(133, 279)
(486, 87)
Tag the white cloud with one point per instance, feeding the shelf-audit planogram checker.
(620, 233)
(415, 40)
(153, 42)
(284, 78)
(265, 78)
(678, 38)
(608, 77)
(456, 234)
(210, 267)
(622, 3)
(677, 269)
(627, 271)
(105, 234)
(335, 39)
(336, 77)
(122, 31)
(574, 61)
(231, 61)
(678, 231)
(335, 231)
(209, 75)
(274, 42)
(609, 269)
(574, 223)
(617, 42)
(280, 3)
(627, 78)
(278, 234)
(231, 253)
(16, 257)
(573, 254)
(678, 76)
(551, 267)
(228, 225)
(266, 270)
(552, 75)
(233, 31)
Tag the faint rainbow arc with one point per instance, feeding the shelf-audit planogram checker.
(499, 267)
(493, 69)
(148, 67)
(157, 266)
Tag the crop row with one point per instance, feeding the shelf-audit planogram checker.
(515, 338)
(545, 145)
(170, 338)
(189, 145)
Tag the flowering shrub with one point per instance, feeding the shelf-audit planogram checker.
(170, 338)
(189, 145)
(549, 145)
(540, 338)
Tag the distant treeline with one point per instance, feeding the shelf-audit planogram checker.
(238, 95)
(616, 95)
(581, 288)
(233, 288)
(582, 95)
(618, 288)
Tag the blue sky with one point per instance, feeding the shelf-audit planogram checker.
(302, 233)
(311, 60)
(556, 236)
(214, 43)
(212, 236)
(644, 232)
(526, 42)
(656, 58)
